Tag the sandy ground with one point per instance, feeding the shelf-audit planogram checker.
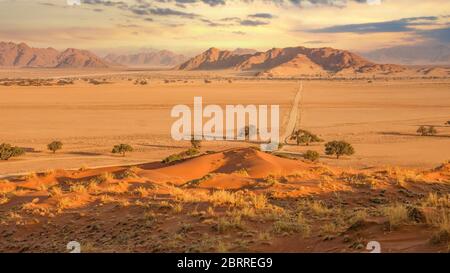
(379, 118)
(238, 200)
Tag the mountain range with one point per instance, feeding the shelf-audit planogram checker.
(162, 58)
(21, 55)
(276, 62)
(301, 61)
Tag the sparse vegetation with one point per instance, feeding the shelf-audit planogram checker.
(311, 156)
(426, 130)
(172, 158)
(397, 214)
(339, 148)
(196, 143)
(122, 149)
(304, 137)
(7, 151)
(55, 146)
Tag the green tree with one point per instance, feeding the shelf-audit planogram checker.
(339, 148)
(55, 146)
(304, 137)
(122, 149)
(7, 151)
(311, 156)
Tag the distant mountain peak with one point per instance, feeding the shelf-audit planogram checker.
(22, 55)
(162, 58)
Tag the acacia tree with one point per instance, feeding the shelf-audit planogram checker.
(304, 137)
(122, 149)
(339, 148)
(426, 131)
(7, 151)
(55, 146)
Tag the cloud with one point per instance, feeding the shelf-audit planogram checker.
(171, 12)
(401, 25)
(261, 15)
(253, 23)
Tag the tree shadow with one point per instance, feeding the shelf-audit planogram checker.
(85, 153)
(411, 134)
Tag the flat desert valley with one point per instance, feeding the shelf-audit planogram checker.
(379, 118)
(230, 197)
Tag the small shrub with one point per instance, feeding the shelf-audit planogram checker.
(396, 214)
(304, 137)
(172, 158)
(426, 130)
(122, 149)
(311, 156)
(7, 151)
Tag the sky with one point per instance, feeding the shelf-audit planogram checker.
(191, 26)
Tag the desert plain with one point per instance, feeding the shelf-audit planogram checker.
(231, 196)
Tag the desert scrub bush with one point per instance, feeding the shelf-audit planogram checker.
(304, 137)
(426, 130)
(104, 177)
(224, 224)
(190, 152)
(55, 146)
(401, 177)
(319, 208)
(3, 199)
(223, 197)
(177, 208)
(437, 201)
(122, 149)
(55, 191)
(271, 179)
(196, 182)
(242, 172)
(259, 201)
(396, 214)
(128, 173)
(312, 156)
(172, 158)
(358, 180)
(330, 229)
(117, 188)
(358, 217)
(297, 224)
(79, 188)
(141, 191)
(339, 148)
(6, 187)
(439, 219)
(7, 151)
